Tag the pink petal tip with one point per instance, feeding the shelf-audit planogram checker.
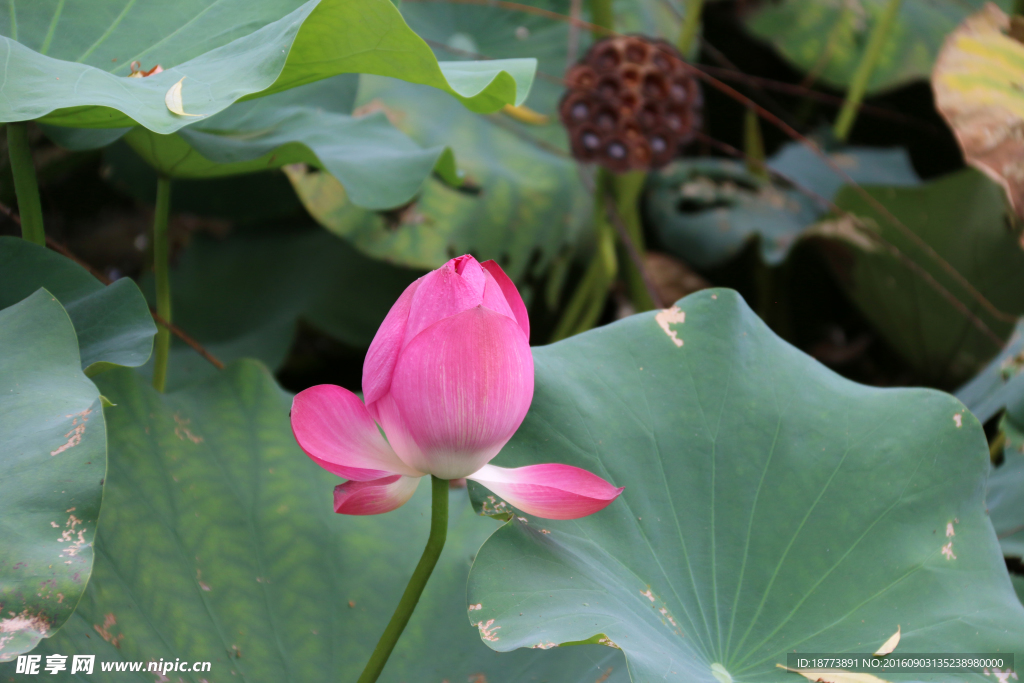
(374, 497)
(550, 491)
(334, 428)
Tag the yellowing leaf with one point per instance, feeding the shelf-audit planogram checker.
(977, 81)
(173, 100)
(889, 645)
(524, 114)
(835, 676)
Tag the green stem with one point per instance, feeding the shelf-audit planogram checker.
(691, 24)
(161, 268)
(411, 596)
(30, 209)
(753, 145)
(584, 308)
(627, 189)
(601, 14)
(879, 36)
(605, 266)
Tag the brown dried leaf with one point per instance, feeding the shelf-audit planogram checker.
(979, 88)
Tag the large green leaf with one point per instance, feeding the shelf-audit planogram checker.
(113, 323)
(531, 204)
(219, 543)
(1002, 379)
(705, 210)
(829, 38)
(67, 62)
(770, 505)
(241, 297)
(54, 460)
(379, 166)
(964, 218)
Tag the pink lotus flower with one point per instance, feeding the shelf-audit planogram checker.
(449, 379)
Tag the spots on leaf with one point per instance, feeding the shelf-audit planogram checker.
(182, 431)
(105, 632)
(670, 316)
(25, 622)
(487, 629)
(74, 437)
(1002, 675)
(958, 418)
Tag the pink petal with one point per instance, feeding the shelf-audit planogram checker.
(453, 288)
(333, 427)
(461, 388)
(494, 298)
(383, 353)
(374, 497)
(550, 491)
(508, 288)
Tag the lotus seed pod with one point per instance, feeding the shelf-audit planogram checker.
(631, 103)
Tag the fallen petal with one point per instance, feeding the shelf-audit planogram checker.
(889, 645)
(550, 491)
(334, 428)
(173, 100)
(374, 497)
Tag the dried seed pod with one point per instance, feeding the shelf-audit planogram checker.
(631, 103)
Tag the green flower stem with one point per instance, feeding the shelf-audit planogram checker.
(601, 14)
(879, 36)
(30, 209)
(691, 24)
(588, 299)
(626, 189)
(411, 596)
(161, 268)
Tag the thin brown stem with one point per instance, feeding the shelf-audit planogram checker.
(874, 203)
(174, 329)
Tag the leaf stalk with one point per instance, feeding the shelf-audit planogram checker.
(858, 86)
(161, 269)
(30, 208)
